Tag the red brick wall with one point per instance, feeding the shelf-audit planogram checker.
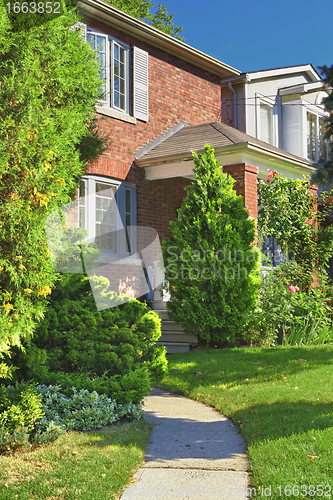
(177, 91)
(246, 184)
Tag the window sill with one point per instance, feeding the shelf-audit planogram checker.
(113, 113)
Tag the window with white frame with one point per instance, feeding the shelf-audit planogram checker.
(266, 119)
(107, 210)
(303, 130)
(114, 58)
(317, 145)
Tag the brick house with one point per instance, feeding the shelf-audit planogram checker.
(162, 100)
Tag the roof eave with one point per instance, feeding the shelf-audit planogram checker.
(284, 156)
(106, 13)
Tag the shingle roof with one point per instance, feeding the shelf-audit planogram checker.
(217, 134)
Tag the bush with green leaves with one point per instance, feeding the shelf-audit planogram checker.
(211, 263)
(287, 212)
(285, 314)
(82, 410)
(112, 351)
(20, 406)
(50, 81)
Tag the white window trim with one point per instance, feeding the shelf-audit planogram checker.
(90, 210)
(109, 72)
(262, 99)
(319, 112)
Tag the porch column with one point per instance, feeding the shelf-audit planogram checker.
(245, 176)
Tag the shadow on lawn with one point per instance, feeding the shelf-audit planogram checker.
(231, 365)
(283, 419)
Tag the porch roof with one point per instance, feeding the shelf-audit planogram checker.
(172, 157)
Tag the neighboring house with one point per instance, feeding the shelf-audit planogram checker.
(280, 106)
(162, 100)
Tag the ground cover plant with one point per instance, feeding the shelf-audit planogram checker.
(280, 398)
(79, 465)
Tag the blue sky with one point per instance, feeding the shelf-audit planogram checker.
(251, 35)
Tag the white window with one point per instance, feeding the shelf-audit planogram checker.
(303, 130)
(266, 119)
(317, 146)
(114, 58)
(107, 210)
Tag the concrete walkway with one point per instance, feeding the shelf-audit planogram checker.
(194, 453)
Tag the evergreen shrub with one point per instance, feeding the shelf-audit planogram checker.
(112, 352)
(211, 264)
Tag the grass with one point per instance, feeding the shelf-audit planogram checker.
(281, 399)
(79, 465)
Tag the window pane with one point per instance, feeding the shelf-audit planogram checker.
(101, 59)
(266, 122)
(116, 51)
(116, 99)
(122, 86)
(116, 68)
(100, 42)
(122, 102)
(91, 40)
(128, 200)
(122, 70)
(112, 218)
(323, 143)
(116, 83)
(311, 136)
(109, 243)
(122, 55)
(99, 215)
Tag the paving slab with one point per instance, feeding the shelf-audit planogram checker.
(194, 453)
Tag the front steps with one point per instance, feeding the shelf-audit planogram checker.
(172, 333)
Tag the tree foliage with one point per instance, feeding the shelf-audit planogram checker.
(211, 264)
(159, 19)
(323, 175)
(48, 89)
(287, 213)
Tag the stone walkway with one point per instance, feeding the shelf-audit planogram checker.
(194, 453)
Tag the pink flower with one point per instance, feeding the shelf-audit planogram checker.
(308, 221)
(270, 176)
(274, 173)
(328, 301)
(269, 170)
(296, 288)
(292, 288)
(323, 291)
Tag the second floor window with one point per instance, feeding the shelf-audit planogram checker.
(114, 58)
(317, 146)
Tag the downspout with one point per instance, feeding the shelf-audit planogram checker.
(235, 103)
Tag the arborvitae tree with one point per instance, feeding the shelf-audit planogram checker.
(211, 264)
(49, 85)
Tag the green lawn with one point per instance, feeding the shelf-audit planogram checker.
(282, 401)
(78, 466)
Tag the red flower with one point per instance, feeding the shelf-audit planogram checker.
(269, 170)
(280, 275)
(308, 221)
(328, 301)
(270, 176)
(274, 173)
(267, 181)
(296, 288)
(323, 291)
(292, 289)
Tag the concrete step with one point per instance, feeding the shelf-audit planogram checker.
(180, 338)
(174, 348)
(171, 326)
(158, 305)
(163, 314)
